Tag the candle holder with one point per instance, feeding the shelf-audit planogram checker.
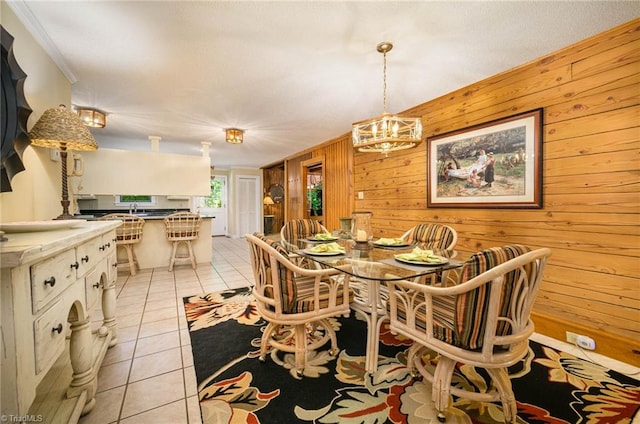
(361, 227)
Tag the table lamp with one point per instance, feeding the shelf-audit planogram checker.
(60, 128)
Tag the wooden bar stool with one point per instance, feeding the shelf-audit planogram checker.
(182, 227)
(128, 234)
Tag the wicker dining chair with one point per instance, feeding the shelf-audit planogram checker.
(182, 227)
(127, 235)
(294, 300)
(483, 321)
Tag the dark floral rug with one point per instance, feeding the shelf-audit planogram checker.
(235, 387)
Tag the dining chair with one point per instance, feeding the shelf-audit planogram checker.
(297, 302)
(432, 236)
(296, 229)
(182, 227)
(483, 321)
(127, 235)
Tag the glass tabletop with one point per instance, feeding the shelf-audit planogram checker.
(373, 262)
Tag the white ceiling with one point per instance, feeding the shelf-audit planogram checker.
(292, 74)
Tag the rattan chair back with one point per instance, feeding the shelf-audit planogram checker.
(131, 229)
(182, 226)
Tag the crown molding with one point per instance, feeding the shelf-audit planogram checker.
(23, 12)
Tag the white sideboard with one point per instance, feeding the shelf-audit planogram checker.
(51, 351)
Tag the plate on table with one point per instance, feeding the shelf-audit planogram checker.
(423, 263)
(333, 253)
(313, 238)
(32, 226)
(378, 243)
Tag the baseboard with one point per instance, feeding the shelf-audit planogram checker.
(613, 346)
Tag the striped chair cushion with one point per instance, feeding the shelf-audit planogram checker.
(300, 228)
(460, 320)
(471, 308)
(443, 312)
(288, 291)
(434, 236)
(296, 293)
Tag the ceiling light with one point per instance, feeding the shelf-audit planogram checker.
(234, 135)
(93, 118)
(387, 132)
(58, 128)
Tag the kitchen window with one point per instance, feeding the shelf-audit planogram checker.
(139, 200)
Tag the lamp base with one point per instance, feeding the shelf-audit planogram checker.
(63, 216)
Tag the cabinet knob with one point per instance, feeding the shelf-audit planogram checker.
(75, 265)
(96, 285)
(101, 248)
(51, 281)
(108, 244)
(115, 265)
(57, 329)
(85, 258)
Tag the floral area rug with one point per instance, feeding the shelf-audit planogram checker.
(235, 387)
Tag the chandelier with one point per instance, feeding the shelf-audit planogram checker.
(387, 132)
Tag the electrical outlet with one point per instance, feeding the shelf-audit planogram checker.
(584, 342)
(361, 195)
(571, 337)
(55, 155)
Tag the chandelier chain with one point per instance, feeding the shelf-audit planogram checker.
(384, 82)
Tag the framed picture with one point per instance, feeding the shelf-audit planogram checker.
(497, 164)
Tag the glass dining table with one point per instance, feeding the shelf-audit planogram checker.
(368, 266)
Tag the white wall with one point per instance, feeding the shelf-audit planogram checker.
(112, 171)
(37, 190)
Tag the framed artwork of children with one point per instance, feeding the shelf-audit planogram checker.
(497, 164)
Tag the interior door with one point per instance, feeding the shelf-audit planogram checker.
(215, 205)
(249, 204)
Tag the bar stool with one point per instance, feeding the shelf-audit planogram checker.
(182, 227)
(128, 234)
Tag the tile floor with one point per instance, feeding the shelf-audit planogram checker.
(148, 377)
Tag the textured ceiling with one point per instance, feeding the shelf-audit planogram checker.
(292, 74)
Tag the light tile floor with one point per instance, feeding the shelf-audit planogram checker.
(148, 377)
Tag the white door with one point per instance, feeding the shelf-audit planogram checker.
(215, 205)
(249, 204)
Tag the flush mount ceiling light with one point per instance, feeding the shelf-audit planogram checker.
(234, 135)
(93, 118)
(387, 132)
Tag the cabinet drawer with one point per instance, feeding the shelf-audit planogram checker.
(49, 335)
(51, 276)
(89, 254)
(93, 287)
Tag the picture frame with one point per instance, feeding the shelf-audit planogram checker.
(497, 164)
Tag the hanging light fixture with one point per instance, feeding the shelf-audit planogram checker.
(93, 118)
(387, 132)
(234, 135)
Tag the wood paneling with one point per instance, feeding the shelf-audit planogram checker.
(337, 184)
(590, 94)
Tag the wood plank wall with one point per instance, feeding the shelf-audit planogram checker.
(337, 187)
(590, 94)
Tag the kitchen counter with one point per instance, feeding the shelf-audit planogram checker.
(154, 250)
